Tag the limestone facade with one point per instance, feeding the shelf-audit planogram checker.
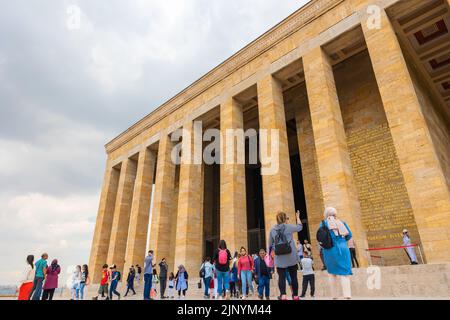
(359, 91)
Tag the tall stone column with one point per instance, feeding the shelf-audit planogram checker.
(163, 202)
(102, 233)
(233, 212)
(424, 178)
(140, 209)
(310, 170)
(277, 187)
(188, 249)
(120, 225)
(333, 160)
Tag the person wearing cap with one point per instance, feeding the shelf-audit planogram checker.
(410, 251)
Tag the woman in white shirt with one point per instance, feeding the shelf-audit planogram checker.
(26, 282)
(76, 280)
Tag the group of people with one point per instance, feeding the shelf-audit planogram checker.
(224, 275)
(231, 276)
(39, 280)
(285, 256)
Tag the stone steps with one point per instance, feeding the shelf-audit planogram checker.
(405, 282)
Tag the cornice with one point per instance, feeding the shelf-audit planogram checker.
(291, 24)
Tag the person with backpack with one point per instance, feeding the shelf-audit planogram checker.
(206, 273)
(222, 258)
(332, 236)
(245, 272)
(281, 240)
(115, 278)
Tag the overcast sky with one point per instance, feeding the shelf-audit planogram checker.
(65, 91)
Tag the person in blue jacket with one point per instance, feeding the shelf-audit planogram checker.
(263, 275)
(338, 258)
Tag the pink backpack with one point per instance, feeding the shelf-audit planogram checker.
(223, 256)
(268, 260)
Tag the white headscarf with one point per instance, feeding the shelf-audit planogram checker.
(334, 224)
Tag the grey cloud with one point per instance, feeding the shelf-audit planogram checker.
(64, 93)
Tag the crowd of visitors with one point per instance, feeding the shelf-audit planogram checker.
(223, 276)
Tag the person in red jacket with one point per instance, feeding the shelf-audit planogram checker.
(245, 272)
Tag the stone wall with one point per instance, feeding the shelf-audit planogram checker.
(384, 201)
(438, 124)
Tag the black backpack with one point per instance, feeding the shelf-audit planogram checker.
(324, 237)
(202, 272)
(282, 246)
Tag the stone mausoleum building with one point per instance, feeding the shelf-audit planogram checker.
(360, 93)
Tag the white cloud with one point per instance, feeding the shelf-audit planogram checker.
(64, 93)
(37, 223)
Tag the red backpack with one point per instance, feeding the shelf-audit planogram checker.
(223, 256)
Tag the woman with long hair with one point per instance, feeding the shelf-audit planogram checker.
(338, 258)
(85, 280)
(26, 283)
(281, 240)
(76, 279)
(222, 258)
(245, 272)
(51, 280)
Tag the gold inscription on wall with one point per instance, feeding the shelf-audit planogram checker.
(385, 206)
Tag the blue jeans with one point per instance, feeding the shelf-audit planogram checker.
(80, 291)
(207, 282)
(246, 278)
(37, 289)
(264, 286)
(113, 289)
(147, 285)
(223, 279)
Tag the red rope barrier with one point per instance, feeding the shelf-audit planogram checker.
(391, 248)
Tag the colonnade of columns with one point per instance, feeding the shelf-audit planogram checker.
(177, 223)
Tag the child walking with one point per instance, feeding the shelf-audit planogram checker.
(155, 282)
(170, 293)
(308, 274)
(103, 289)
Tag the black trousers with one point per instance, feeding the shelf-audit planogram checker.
(48, 294)
(311, 279)
(130, 286)
(353, 254)
(233, 288)
(282, 279)
(162, 286)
